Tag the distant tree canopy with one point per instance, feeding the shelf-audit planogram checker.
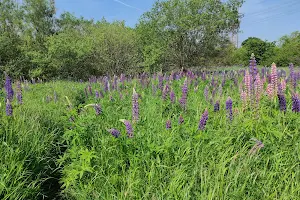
(282, 52)
(182, 33)
(34, 42)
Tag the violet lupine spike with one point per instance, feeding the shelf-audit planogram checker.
(172, 96)
(135, 106)
(114, 132)
(203, 120)
(8, 88)
(217, 106)
(180, 120)
(168, 124)
(128, 126)
(295, 103)
(9, 109)
(229, 108)
(282, 102)
(97, 95)
(185, 88)
(98, 109)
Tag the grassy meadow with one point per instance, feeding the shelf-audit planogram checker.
(62, 141)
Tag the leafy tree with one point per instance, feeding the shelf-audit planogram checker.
(183, 33)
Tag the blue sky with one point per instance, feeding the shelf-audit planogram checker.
(266, 19)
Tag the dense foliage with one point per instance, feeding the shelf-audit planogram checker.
(184, 135)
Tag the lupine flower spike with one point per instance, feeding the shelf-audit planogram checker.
(114, 132)
(168, 124)
(203, 120)
(128, 126)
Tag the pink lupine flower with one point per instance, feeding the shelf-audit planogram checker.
(248, 84)
(274, 80)
(270, 91)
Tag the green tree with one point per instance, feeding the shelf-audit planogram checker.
(180, 33)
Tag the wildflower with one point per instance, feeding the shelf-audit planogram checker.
(55, 97)
(8, 88)
(217, 106)
(282, 102)
(295, 103)
(172, 96)
(9, 109)
(180, 120)
(97, 95)
(98, 109)
(247, 80)
(168, 124)
(203, 120)
(135, 106)
(114, 132)
(269, 91)
(128, 126)
(229, 107)
(274, 78)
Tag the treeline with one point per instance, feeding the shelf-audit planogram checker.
(284, 51)
(35, 42)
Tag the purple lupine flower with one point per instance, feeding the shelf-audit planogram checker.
(180, 120)
(98, 109)
(129, 129)
(172, 96)
(97, 95)
(217, 106)
(114, 132)
(282, 102)
(295, 103)
(121, 95)
(135, 106)
(185, 88)
(168, 124)
(8, 88)
(183, 98)
(19, 93)
(203, 120)
(9, 109)
(229, 108)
